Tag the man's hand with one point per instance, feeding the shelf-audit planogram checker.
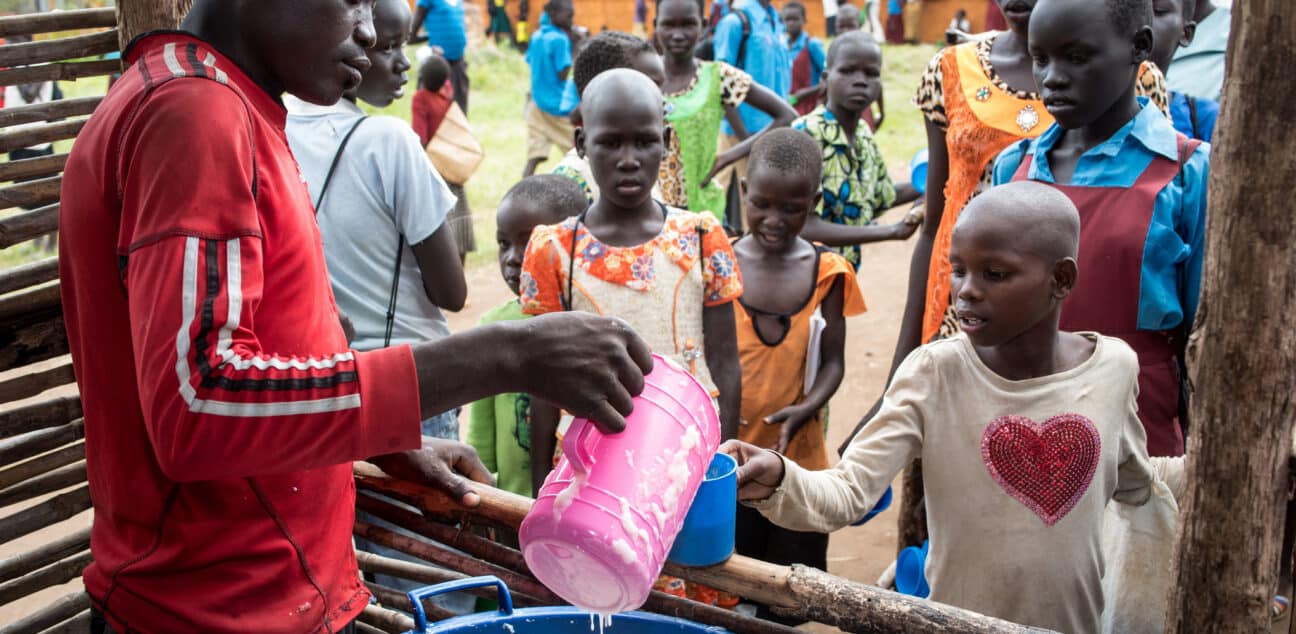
(590, 366)
(792, 418)
(760, 471)
(442, 464)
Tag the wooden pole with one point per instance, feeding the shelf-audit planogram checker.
(44, 51)
(23, 563)
(33, 167)
(141, 16)
(52, 511)
(46, 483)
(49, 22)
(57, 573)
(386, 620)
(30, 274)
(31, 338)
(1244, 353)
(52, 614)
(26, 225)
(27, 445)
(48, 111)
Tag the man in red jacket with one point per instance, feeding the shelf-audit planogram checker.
(222, 406)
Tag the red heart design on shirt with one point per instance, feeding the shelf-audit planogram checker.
(1046, 466)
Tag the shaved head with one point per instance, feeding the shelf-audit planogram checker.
(619, 88)
(1035, 217)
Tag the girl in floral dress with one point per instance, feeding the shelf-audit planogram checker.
(670, 274)
(697, 93)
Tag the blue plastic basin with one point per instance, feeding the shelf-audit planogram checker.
(538, 620)
(918, 171)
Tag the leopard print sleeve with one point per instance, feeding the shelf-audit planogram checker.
(1152, 84)
(734, 85)
(930, 98)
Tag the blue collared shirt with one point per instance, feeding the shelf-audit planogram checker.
(816, 55)
(1198, 69)
(549, 54)
(766, 56)
(1170, 279)
(444, 25)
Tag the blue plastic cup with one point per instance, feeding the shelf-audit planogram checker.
(707, 537)
(911, 572)
(883, 504)
(918, 171)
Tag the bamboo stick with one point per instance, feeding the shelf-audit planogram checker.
(54, 21)
(32, 193)
(662, 603)
(51, 413)
(27, 225)
(458, 538)
(52, 614)
(52, 575)
(439, 555)
(27, 275)
(38, 133)
(386, 620)
(364, 628)
(393, 598)
(52, 511)
(27, 445)
(79, 624)
(29, 385)
(28, 301)
(34, 337)
(14, 474)
(57, 479)
(45, 554)
(32, 167)
(57, 50)
(63, 71)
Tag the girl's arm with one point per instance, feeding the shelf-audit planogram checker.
(443, 275)
(721, 344)
(834, 235)
(544, 440)
(832, 367)
(765, 100)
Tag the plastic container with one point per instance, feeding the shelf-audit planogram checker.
(911, 571)
(608, 514)
(708, 534)
(883, 504)
(918, 171)
(506, 620)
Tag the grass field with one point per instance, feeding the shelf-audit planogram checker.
(499, 86)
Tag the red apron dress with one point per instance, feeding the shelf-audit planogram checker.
(1114, 223)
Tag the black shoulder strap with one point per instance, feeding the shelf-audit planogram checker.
(571, 262)
(1192, 117)
(741, 60)
(333, 166)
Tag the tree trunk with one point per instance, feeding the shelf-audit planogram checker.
(1243, 407)
(141, 16)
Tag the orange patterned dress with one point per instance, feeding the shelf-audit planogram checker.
(981, 115)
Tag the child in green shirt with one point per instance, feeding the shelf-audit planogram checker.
(499, 427)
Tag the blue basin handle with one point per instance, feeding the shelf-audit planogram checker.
(417, 596)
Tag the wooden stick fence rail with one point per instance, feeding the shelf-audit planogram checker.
(38, 112)
(394, 598)
(22, 303)
(25, 562)
(33, 167)
(28, 385)
(44, 484)
(386, 620)
(53, 21)
(57, 573)
(23, 447)
(27, 275)
(62, 71)
(28, 225)
(79, 624)
(24, 471)
(32, 193)
(42, 51)
(32, 338)
(37, 134)
(52, 511)
(67, 607)
(36, 416)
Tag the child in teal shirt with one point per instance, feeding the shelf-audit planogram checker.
(499, 427)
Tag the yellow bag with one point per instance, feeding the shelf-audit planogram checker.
(454, 150)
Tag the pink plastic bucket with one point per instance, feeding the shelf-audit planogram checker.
(608, 514)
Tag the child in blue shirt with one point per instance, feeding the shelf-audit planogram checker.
(550, 57)
(1173, 27)
(807, 55)
(1140, 187)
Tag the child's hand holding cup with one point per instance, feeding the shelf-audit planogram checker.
(760, 471)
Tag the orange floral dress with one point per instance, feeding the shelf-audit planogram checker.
(773, 371)
(659, 287)
(961, 93)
